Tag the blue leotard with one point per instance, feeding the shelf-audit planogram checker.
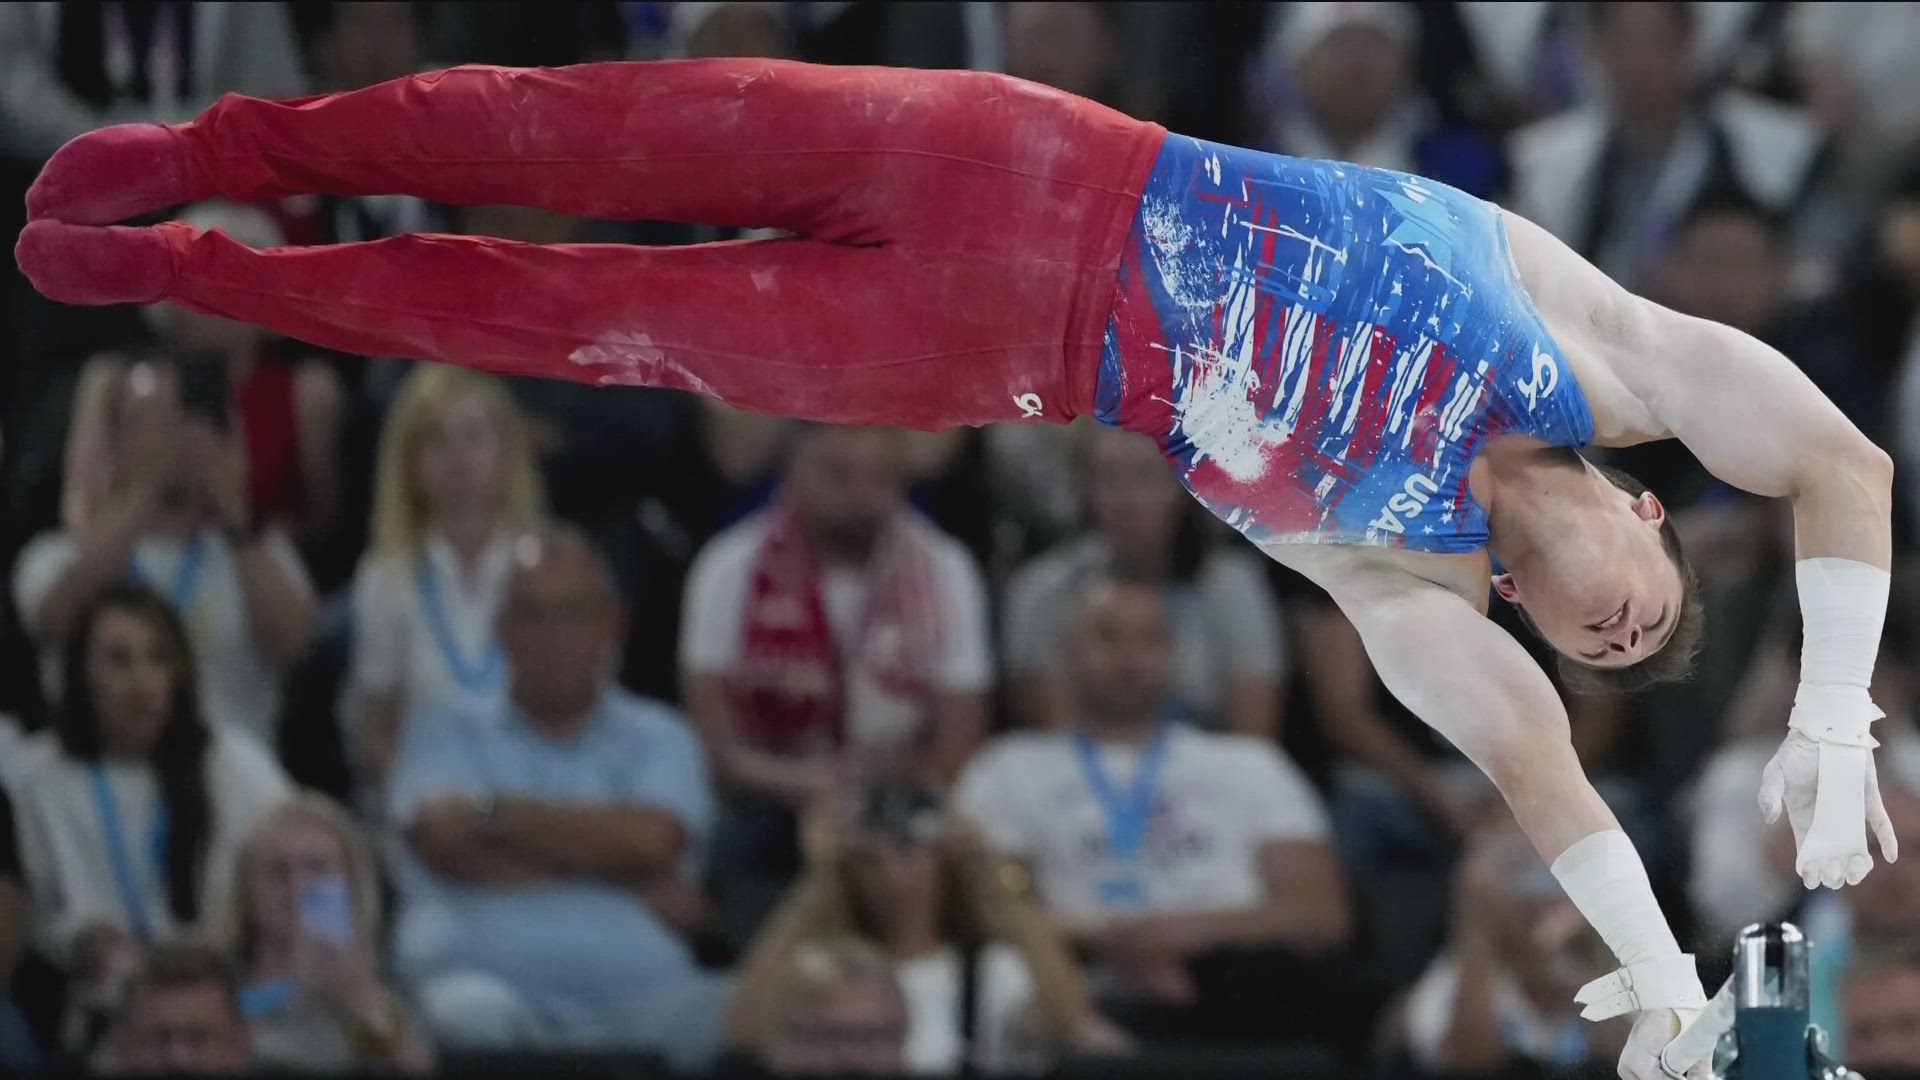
(1321, 349)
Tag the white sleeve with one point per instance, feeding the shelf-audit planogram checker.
(966, 662)
(715, 599)
(1281, 804)
(40, 564)
(988, 794)
(382, 645)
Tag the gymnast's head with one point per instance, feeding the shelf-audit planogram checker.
(1612, 592)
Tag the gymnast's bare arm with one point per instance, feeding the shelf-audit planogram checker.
(1472, 682)
(1744, 410)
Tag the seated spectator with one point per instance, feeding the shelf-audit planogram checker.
(286, 414)
(304, 929)
(1880, 1011)
(1341, 86)
(1229, 656)
(931, 897)
(1194, 868)
(837, 1009)
(164, 501)
(178, 1015)
(17, 1044)
(455, 484)
(131, 808)
(548, 841)
(835, 627)
(1502, 989)
(1613, 178)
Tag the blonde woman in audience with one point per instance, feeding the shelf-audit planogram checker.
(925, 893)
(456, 482)
(304, 928)
(131, 807)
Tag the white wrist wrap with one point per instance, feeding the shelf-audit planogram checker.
(1843, 604)
(1605, 879)
(1837, 715)
(1669, 982)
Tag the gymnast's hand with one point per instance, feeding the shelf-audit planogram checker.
(1653, 1029)
(1828, 787)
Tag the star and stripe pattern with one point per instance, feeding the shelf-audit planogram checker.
(1321, 348)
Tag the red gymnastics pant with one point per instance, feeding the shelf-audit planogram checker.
(956, 234)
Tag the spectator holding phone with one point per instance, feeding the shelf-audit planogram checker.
(284, 415)
(130, 809)
(987, 981)
(163, 501)
(304, 929)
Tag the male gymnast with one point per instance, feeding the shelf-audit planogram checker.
(1379, 380)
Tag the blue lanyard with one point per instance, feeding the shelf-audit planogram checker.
(1130, 811)
(263, 999)
(123, 869)
(482, 674)
(186, 579)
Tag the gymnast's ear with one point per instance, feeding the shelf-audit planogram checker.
(1649, 508)
(1504, 587)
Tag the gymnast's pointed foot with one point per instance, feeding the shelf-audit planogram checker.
(85, 264)
(110, 175)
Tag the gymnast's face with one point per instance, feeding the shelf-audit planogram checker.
(1605, 593)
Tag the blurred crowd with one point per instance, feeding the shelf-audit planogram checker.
(364, 714)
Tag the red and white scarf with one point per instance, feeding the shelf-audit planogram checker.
(791, 691)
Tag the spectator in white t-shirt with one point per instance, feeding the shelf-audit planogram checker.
(131, 808)
(1194, 867)
(1229, 655)
(456, 482)
(836, 627)
(170, 509)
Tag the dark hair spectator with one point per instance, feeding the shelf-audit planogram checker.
(156, 492)
(131, 807)
(1194, 867)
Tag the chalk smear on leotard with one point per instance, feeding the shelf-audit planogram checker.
(1216, 391)
(647, 362)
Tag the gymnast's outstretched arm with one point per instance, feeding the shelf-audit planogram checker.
(1756, 421)
(1474, 683)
